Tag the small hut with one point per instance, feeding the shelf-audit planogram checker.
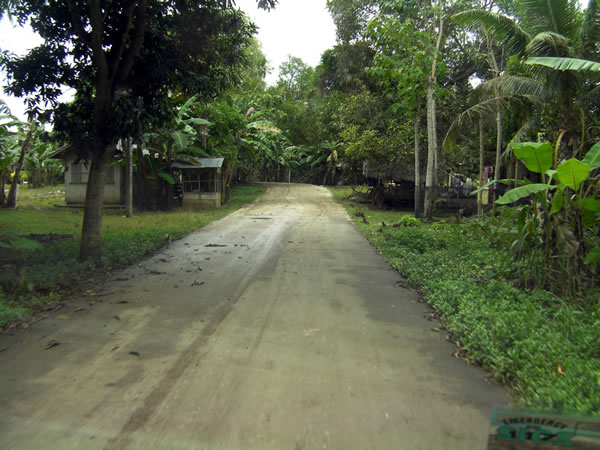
(200, 180)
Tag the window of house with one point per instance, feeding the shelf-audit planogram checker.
(80, 172)
(200, 180)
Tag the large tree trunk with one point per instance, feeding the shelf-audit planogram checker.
(481, 148)
(418, 209)
(429, 178)
(91, 233)
(12, 199)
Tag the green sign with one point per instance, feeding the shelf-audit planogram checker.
(518, 430)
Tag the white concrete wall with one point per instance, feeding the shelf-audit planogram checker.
(75, 192)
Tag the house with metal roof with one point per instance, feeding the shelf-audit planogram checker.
(199, 180)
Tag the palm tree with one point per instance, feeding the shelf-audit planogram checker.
(542, 32)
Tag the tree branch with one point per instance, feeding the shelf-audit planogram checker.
(97, 24)
(461, 76)
(438, 43)
(116, 51)
(102, 98)
(139, 27)
(77, 24)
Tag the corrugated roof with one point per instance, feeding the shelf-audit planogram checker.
(191, 162)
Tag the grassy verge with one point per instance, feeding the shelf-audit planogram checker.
(30, 278)
(543, 347)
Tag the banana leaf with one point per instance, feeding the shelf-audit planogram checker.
(523, 192)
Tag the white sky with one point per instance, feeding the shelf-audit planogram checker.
(301, 28)
(18, 40)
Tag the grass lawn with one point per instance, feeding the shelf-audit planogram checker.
(545, 348)
(30, 278)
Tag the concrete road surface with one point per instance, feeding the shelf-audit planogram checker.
(278, 327)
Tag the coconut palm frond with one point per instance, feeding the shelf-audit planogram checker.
(4, 109)
(590, 30)
(531, 124)
(485, 107)
(574, 64)
(595, 92)
(512, 85)
(559, 16)
(549, 44)
(506, 31)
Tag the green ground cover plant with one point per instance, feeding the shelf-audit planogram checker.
(33, 277)
(545, 348)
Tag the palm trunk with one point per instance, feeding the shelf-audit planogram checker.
(481, 148)
(498, 144)
(12, 199)
(498, 167)
(418, 210)
(91, 233)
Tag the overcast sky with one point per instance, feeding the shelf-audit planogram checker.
(301, 28)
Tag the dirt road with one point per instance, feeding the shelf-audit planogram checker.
(278, 327)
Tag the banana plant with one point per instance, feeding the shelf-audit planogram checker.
(9, 150)
(265, 139)
(185, 135)
(42, 169)
(563, 208)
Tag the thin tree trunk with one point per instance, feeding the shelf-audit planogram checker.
(481, 148)
(230, 171)
(418, 210)
(510, 173)
(436, 149)
(91, 233)
(498, 145)
(429, 194)
(432, 126)
(497, 71)
(128, 178)
(12, 199)
(2, 193)
(498, 167)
